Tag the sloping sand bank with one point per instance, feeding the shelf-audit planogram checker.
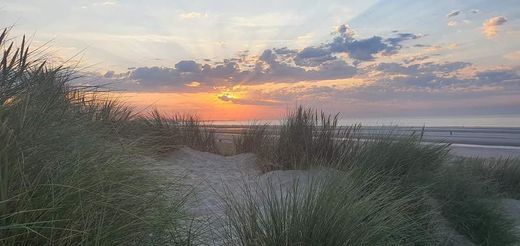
(211, 175)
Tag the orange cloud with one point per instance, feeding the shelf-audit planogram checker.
(193, 15)
(490, 26)
(204, 104)
(513, 56)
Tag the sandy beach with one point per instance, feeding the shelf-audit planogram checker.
(485, 142)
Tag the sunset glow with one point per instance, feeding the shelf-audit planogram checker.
(231, 60)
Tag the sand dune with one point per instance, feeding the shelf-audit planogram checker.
(211, 175)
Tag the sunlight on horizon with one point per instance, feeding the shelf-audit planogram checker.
(237, 60)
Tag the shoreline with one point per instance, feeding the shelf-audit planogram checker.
(485, 142)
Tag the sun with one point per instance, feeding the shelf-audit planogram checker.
(228, 97)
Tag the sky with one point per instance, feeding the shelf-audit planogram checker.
(244, 60)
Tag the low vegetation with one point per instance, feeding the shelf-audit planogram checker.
(334, 209)
(466, 192)
(69, 173)
(472, 206)
(504, 174)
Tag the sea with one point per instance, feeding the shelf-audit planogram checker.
(499, 121)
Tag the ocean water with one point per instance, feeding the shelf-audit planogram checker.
(431, 121)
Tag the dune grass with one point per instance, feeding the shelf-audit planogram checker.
(331, 210)
(468, 194)
(504, 174)
(305, 137)
(68, 172)
(472, 206)
(254, 138)
(399, 157)
(160, 133)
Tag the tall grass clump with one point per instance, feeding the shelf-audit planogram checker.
(304, 138)
(503, 173)
(398, 156)
(329, 210)
(471, 205)
(63, 178)
(161, 133)
(253, 139)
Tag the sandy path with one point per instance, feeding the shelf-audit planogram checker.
(209, 175)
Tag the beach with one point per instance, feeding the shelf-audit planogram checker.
(484, 142)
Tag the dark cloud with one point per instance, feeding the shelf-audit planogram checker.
(498, 75)
(366, 49)
(284, 51)
(427, 67)
(427, 81)
(453, 13)
(286, 65)
(271, 69)
(313, 56)
(187, 67)
(415, 59)
(109, 74)
(441, 76)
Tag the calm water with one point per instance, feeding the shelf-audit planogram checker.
(458, 121)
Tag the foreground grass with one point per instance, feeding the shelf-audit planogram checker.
(467, 192)
(504, 174)
(69, 174)
(472, 206)
(331, 210)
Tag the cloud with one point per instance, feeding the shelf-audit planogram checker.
(453, 13)
(193, 15)
(313, 56)
(490, 26)
(513, 56)
(312, 63)
(452, 23)
(188, 67)
(245, 101)
(109, 74)
(193, 84)
(284, 51)
(367, 49)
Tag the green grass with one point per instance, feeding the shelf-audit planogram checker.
(471, 205)
(254, 138)
(68, 171)
(468, 190)
(161, 133)
(503, 173)
(398, 157)
(331, 210)
(305, 137)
